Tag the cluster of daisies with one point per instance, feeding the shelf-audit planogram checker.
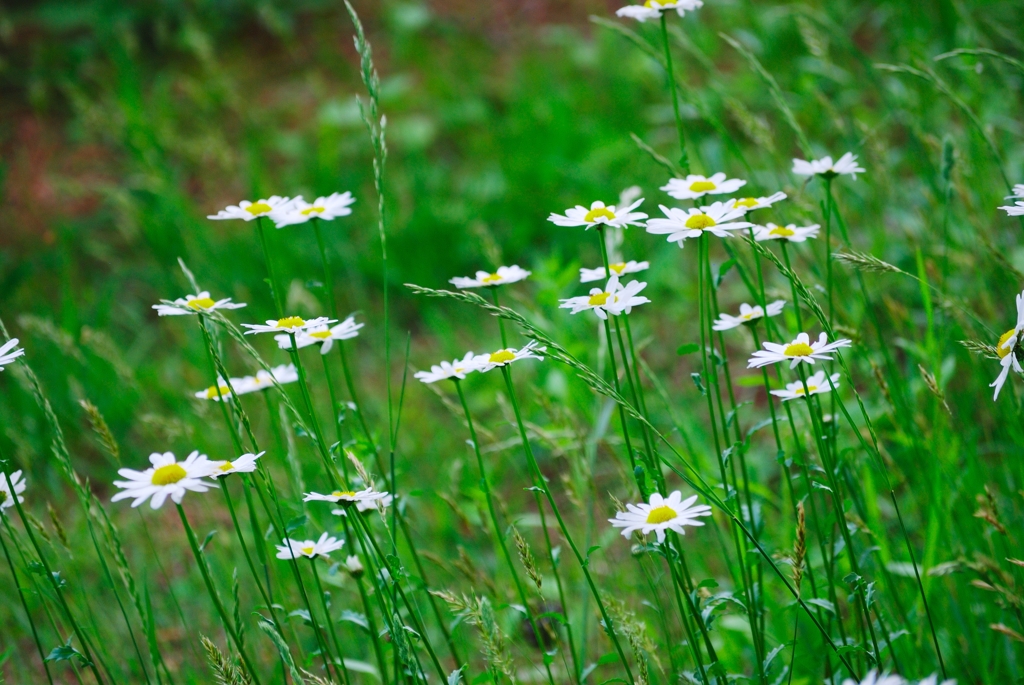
(285, 211)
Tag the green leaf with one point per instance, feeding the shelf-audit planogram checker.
(270, 629)
(695, 377)
(66, 653)
(688, 348)
(206, 540)
(295, 524)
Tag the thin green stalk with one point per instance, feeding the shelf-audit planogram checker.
(330, 624)
(684, 616)
(684, 158)
(21, 596)
(501, 322)
(275, 288)
(688, 592)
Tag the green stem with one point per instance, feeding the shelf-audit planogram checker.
(330, 624)
(21, 595)
(275, 288)
(684, 158)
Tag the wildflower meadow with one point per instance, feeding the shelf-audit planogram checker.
(515, 342)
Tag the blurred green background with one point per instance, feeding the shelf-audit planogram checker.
(122, 125)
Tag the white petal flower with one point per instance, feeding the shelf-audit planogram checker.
(748, 314)
(247, 211)
(847, 164)
(751, 203)
(600, 215)
(652, 9)
(1009, 348)
(933, 679)
(614, 299)
(1016, 209)
(6, 496)
(166, 478)
(875, 678)
(816, 385)
(293, 549)
(243, 464)
(680, 224)
(791, 233)
(289, 324)
(486, 362)
(354, 566)
(457, 368)
(298, 211)
(1018, 191)
(503, 276)
(316, 335)
(619, 269)
(283, 374)
(347, 496)
(367, 505)
(695, 186)
(800, 350)
(9, 351)
(661, 514)
(193, 304)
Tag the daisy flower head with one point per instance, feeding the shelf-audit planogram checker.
(679, 224)
(800, 350)
(8, 481)
(324, 334)
(1016, 209)
(10, 351)
(751, 203)
(503, 276)
(167, 477)
(791, 233)
(847, 164)
(289, 324)
(876, 678)
(661, 514)
(298, 211)
(614, 299)
(243, 464)
(486, 362)
(933, 679)
(354, 566)
(367, 505)
(1010, 350)
(457, 368)
(599, 215)
(695, 186)
(1018, 191)
(747, 315)
(293, 549)
(816, 385)
(247, 211)
(653, 9)
(348, 497)
(223, 390)
(283, 374)
(194, 304)
(618, 269)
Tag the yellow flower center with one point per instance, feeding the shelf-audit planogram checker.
(661, 514)
(601, 212)
(493, 278)
(226, 466)
(798, 350)
(308, 551)
(312, 210)
(213, 392)
(501, 357)
(702, 186)
(320, 335)
(3, 496)
(748, 316)
(168, 475)
(599, 299)
(747, 202)
(782, 231)
(343, 493)
(259, 208)
(291, 322)
(1003, 351)
(699, 222)
(618, 268)
(200, 303)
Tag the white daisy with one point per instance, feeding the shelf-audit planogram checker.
(247, 211)
(1008, 349)
(6, 497)
(193, 304)
(1018, 191)
(298, 211)
(816, 385)
(457, 368)
(166, 478)
(752, 203)
(283, 374)
(875, 678)
(1016, 209)
(933, 679)
(695, 186)
(847, 164)
(9, 351)
(791, 233)
(619, 269)
(800, 350)
(680, 224)
(661, 514)
(486, 362)
(216, 392)
(652, 9)
(243, 464)
(345, 330)
(346, 496)
(354, 566)
(289, 324)
(367, 505)
(293, 549)
(747, 314)
(614, 299)
(503, 276)
(600, 215)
